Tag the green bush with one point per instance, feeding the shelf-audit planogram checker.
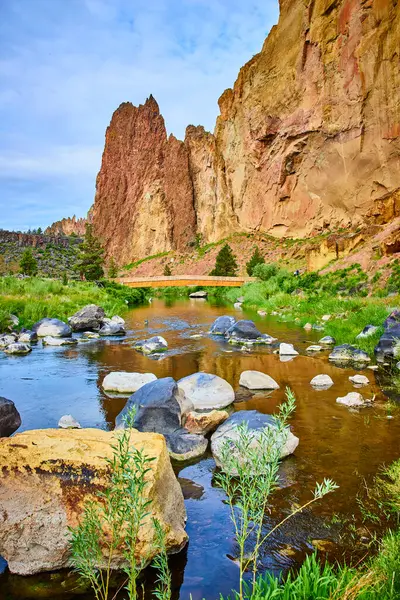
(256, 259)
(265, 272)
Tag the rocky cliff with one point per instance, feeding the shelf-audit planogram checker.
(69, 226)
(307, 141)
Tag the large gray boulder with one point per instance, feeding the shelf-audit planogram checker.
(153, 345)
(367, 332)
(10, 418)
(206, 391)
(222, 324)
(112, 328)
(386, 346)
(347, 353)
(28, 337)
(228, 433)
(183, 445)
(245, 331)
(52, 327)
(6, 339)
(321, 382)
(126, 383)
(18, 348)
(88, 318)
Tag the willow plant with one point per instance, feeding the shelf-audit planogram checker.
(111, 523)
(249, 476)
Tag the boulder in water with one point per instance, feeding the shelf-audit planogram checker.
(222, 324)
(18, 348)
(327, 340)
(112, 329)
(10, 418)
(255, 380)
(199, 294)
(28, 337)
(204, 422)
(55, 341)
(359, 380)
(89, 317)
(206, 392)
(322, 382)
(7, 339)
(184, 446)
(287, 350)
(347, 353)
(68, 422)
(52, 472)
(125, 383)
(52, 327)
(353, 399)
(153, 345)
(367, 332)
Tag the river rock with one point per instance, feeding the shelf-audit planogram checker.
(245, 331)
(323, 382)
(256, 421)
(348, 353)
(112, 329)
(199, 294)
(206, 392)
(7, 339)
(89, 317)
(359, 379)
(387, 343)
(308, 326)
(52, 472)
(237, 306)
(367, 332)
(118, 319)
(314, 348)
(325, 318)
(287, 350)
(124, 382)
(262, 313)
(184, 446)
(204, 422)
(353, 399)
(52, 327)
(28, 337)
(10, 418)
(18, 348)
(222, 324)
(68, 422)
(90, 335)
(255, 380)
(153, 345)
(54, 341)
(328, 340)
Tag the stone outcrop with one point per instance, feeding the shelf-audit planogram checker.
(52, 472)
(307, 141)
(68, 226)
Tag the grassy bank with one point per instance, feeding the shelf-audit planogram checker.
(34, 298)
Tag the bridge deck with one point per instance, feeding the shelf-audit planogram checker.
(185, 280)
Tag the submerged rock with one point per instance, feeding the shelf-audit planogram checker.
(359, 379)
(18, 348)
(322, 382)
(68, 422)
(353, 399)
(52, 327)
(228, 433)
(54, 341)
(287, 350)
(206, 392)
(255, 380)
(112, 328)
(328, 340)
(90, 317)
(183, 446)
(10, 418)
(221, 325)
(90, 335)
(199, 294)
(245, 331)
(348, 353)
(314, 348)
(52, 472)
(153, 345)
(124, 382)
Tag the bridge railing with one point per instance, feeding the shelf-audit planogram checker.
(185, 281)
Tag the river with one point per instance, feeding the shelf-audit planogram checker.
(347, 446)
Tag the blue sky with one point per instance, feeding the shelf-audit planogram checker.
(66, 65)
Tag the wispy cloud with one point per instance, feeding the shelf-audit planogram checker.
(66, 66)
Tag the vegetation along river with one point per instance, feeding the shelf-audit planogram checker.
(348, 446)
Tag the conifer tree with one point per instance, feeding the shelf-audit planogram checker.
(28, 263)
(91, 258)
(112, 269)
(256, 259)
(225, 263)
(167, 271)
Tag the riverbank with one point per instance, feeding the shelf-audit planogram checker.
(34, 298)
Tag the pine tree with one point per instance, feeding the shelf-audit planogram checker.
(225, 263)
(91, 259)
(65, 278)
(256, 259)
(28, 263)
(167, 271)
(112, 269)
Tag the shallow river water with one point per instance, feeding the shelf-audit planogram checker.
(347, 446)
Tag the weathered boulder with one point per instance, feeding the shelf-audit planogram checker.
(327, 340)
(112, 329)
(90, 335)
(183, 445)
(10, 418)
(56, 341)
(322, 382)
(68, 422)
(352, 399)
(7, 339)
(204, 422)
(387, 343)
(28, 337)
(125, 383)
(287, 350)
(314, 348)
(348, 353)
(255, 380)
(367, 332)
(52, 327)
(18, 348)
(14, 320)
(222, 324)
(206, 392)
(89, 317)
(199, 294)
(359, 380)
(118, 319)
(245, 331)
(153, 345)
(52, 472)
(228, 433)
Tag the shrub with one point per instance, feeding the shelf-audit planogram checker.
(28, 263)
(167, 271)
(256, 259)
(265, 272)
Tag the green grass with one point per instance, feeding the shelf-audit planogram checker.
(35, 298)
(135, 264)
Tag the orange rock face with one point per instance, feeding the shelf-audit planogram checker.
(307, 141)
(68, 226)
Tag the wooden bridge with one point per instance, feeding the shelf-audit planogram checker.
(184, 281)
